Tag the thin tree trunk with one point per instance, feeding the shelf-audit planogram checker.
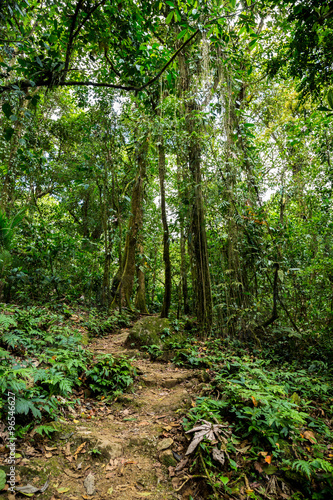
(140, 299)
(183, 267)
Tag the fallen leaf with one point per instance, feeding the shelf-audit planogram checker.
(48, 455)
(143, 423)
(205, 431)
(258, 467)
(89, 483)
(110, 490)
(80, 449)
(70, 473)
(310, 436)
(29, 489)
(63, 490)
(218, 455)
(263, 453)
(254, 401)
(49, 448)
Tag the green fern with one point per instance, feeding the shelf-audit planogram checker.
(302, 466)
(6, 322)
(45, 429)
(308, 468)
(25, 405)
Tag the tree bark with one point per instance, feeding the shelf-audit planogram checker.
(125, 286)
(166, 243)
(140, 299)
(202, 284)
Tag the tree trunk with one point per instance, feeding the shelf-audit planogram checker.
(125, 287)
(202, 284)
(183, 267)
(166, 243)
(140, 299)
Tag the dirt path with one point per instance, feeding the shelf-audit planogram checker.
(129, 445)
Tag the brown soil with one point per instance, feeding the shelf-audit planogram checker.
(126, 434)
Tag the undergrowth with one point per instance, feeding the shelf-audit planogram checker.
(279, 421)
(43, 362)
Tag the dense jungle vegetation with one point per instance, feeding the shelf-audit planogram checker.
(174, 159)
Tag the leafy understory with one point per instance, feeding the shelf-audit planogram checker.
(44, 364)
(271, 422)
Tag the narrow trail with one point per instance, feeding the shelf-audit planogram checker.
(135, 437)
(146, 429)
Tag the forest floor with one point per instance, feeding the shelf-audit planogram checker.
(263, 426)
(123, 450)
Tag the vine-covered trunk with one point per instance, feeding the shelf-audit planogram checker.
(140, 299)
(125, 286)
(166, 243)
(202, 284)
(200, 263)
(183, 266)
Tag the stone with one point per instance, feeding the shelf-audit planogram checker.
(147, 331)
(166, 458)
(164, 444)
(115, 450)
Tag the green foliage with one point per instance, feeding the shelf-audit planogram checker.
(3, 479)
(6, 321)
(109, 374)
(45, 361)
(45, 429)
(153, 350)
(272, 407)
(99, 325)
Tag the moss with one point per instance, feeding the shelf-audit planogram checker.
(85, 338)
(147, 331)
(166, 458)
(286, 448)
(294, 477)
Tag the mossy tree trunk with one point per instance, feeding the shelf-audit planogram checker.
(201, 274)
(166, 243)
(126, 283)
(140, 299)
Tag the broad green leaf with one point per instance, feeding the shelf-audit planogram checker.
(2, 479)
(169, 18)
(181, 34)
(330, 98)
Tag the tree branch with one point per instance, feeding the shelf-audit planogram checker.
(24, 84)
